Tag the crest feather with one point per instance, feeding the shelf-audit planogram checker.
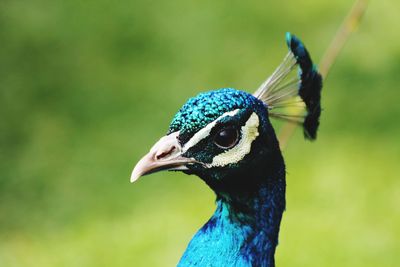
(291, 95)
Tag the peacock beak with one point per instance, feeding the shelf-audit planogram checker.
(166, 154)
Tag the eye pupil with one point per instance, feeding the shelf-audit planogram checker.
(226, 138)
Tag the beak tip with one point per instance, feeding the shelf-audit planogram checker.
(134, 177)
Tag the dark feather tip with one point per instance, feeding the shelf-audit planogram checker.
(310, 86)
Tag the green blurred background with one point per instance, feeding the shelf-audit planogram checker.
(86, 87)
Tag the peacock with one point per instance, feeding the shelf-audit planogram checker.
(225, 137)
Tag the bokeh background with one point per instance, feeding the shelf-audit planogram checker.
(86, 87)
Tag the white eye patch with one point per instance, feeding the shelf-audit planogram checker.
(249, 133)
(205, 132)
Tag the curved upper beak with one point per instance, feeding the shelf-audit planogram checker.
(166, 154)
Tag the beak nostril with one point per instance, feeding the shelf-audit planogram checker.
(163, 154)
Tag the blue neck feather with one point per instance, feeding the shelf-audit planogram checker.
(243, 231)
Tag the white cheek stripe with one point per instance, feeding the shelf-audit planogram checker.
(237, 153)
(205, 132)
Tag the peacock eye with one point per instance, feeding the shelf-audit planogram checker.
(226, 137)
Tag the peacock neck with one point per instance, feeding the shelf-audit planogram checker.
(244, 229)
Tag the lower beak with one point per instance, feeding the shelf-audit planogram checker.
(166, 154)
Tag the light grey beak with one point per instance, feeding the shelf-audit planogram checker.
(166, 154)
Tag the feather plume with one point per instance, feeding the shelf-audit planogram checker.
(293, 91)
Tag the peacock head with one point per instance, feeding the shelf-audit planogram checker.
(215, 135)
(225, 136)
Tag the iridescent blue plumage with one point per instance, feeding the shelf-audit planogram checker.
(198, 111)
(250, 194)
(242, 233)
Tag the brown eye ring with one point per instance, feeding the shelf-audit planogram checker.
(227, 137)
